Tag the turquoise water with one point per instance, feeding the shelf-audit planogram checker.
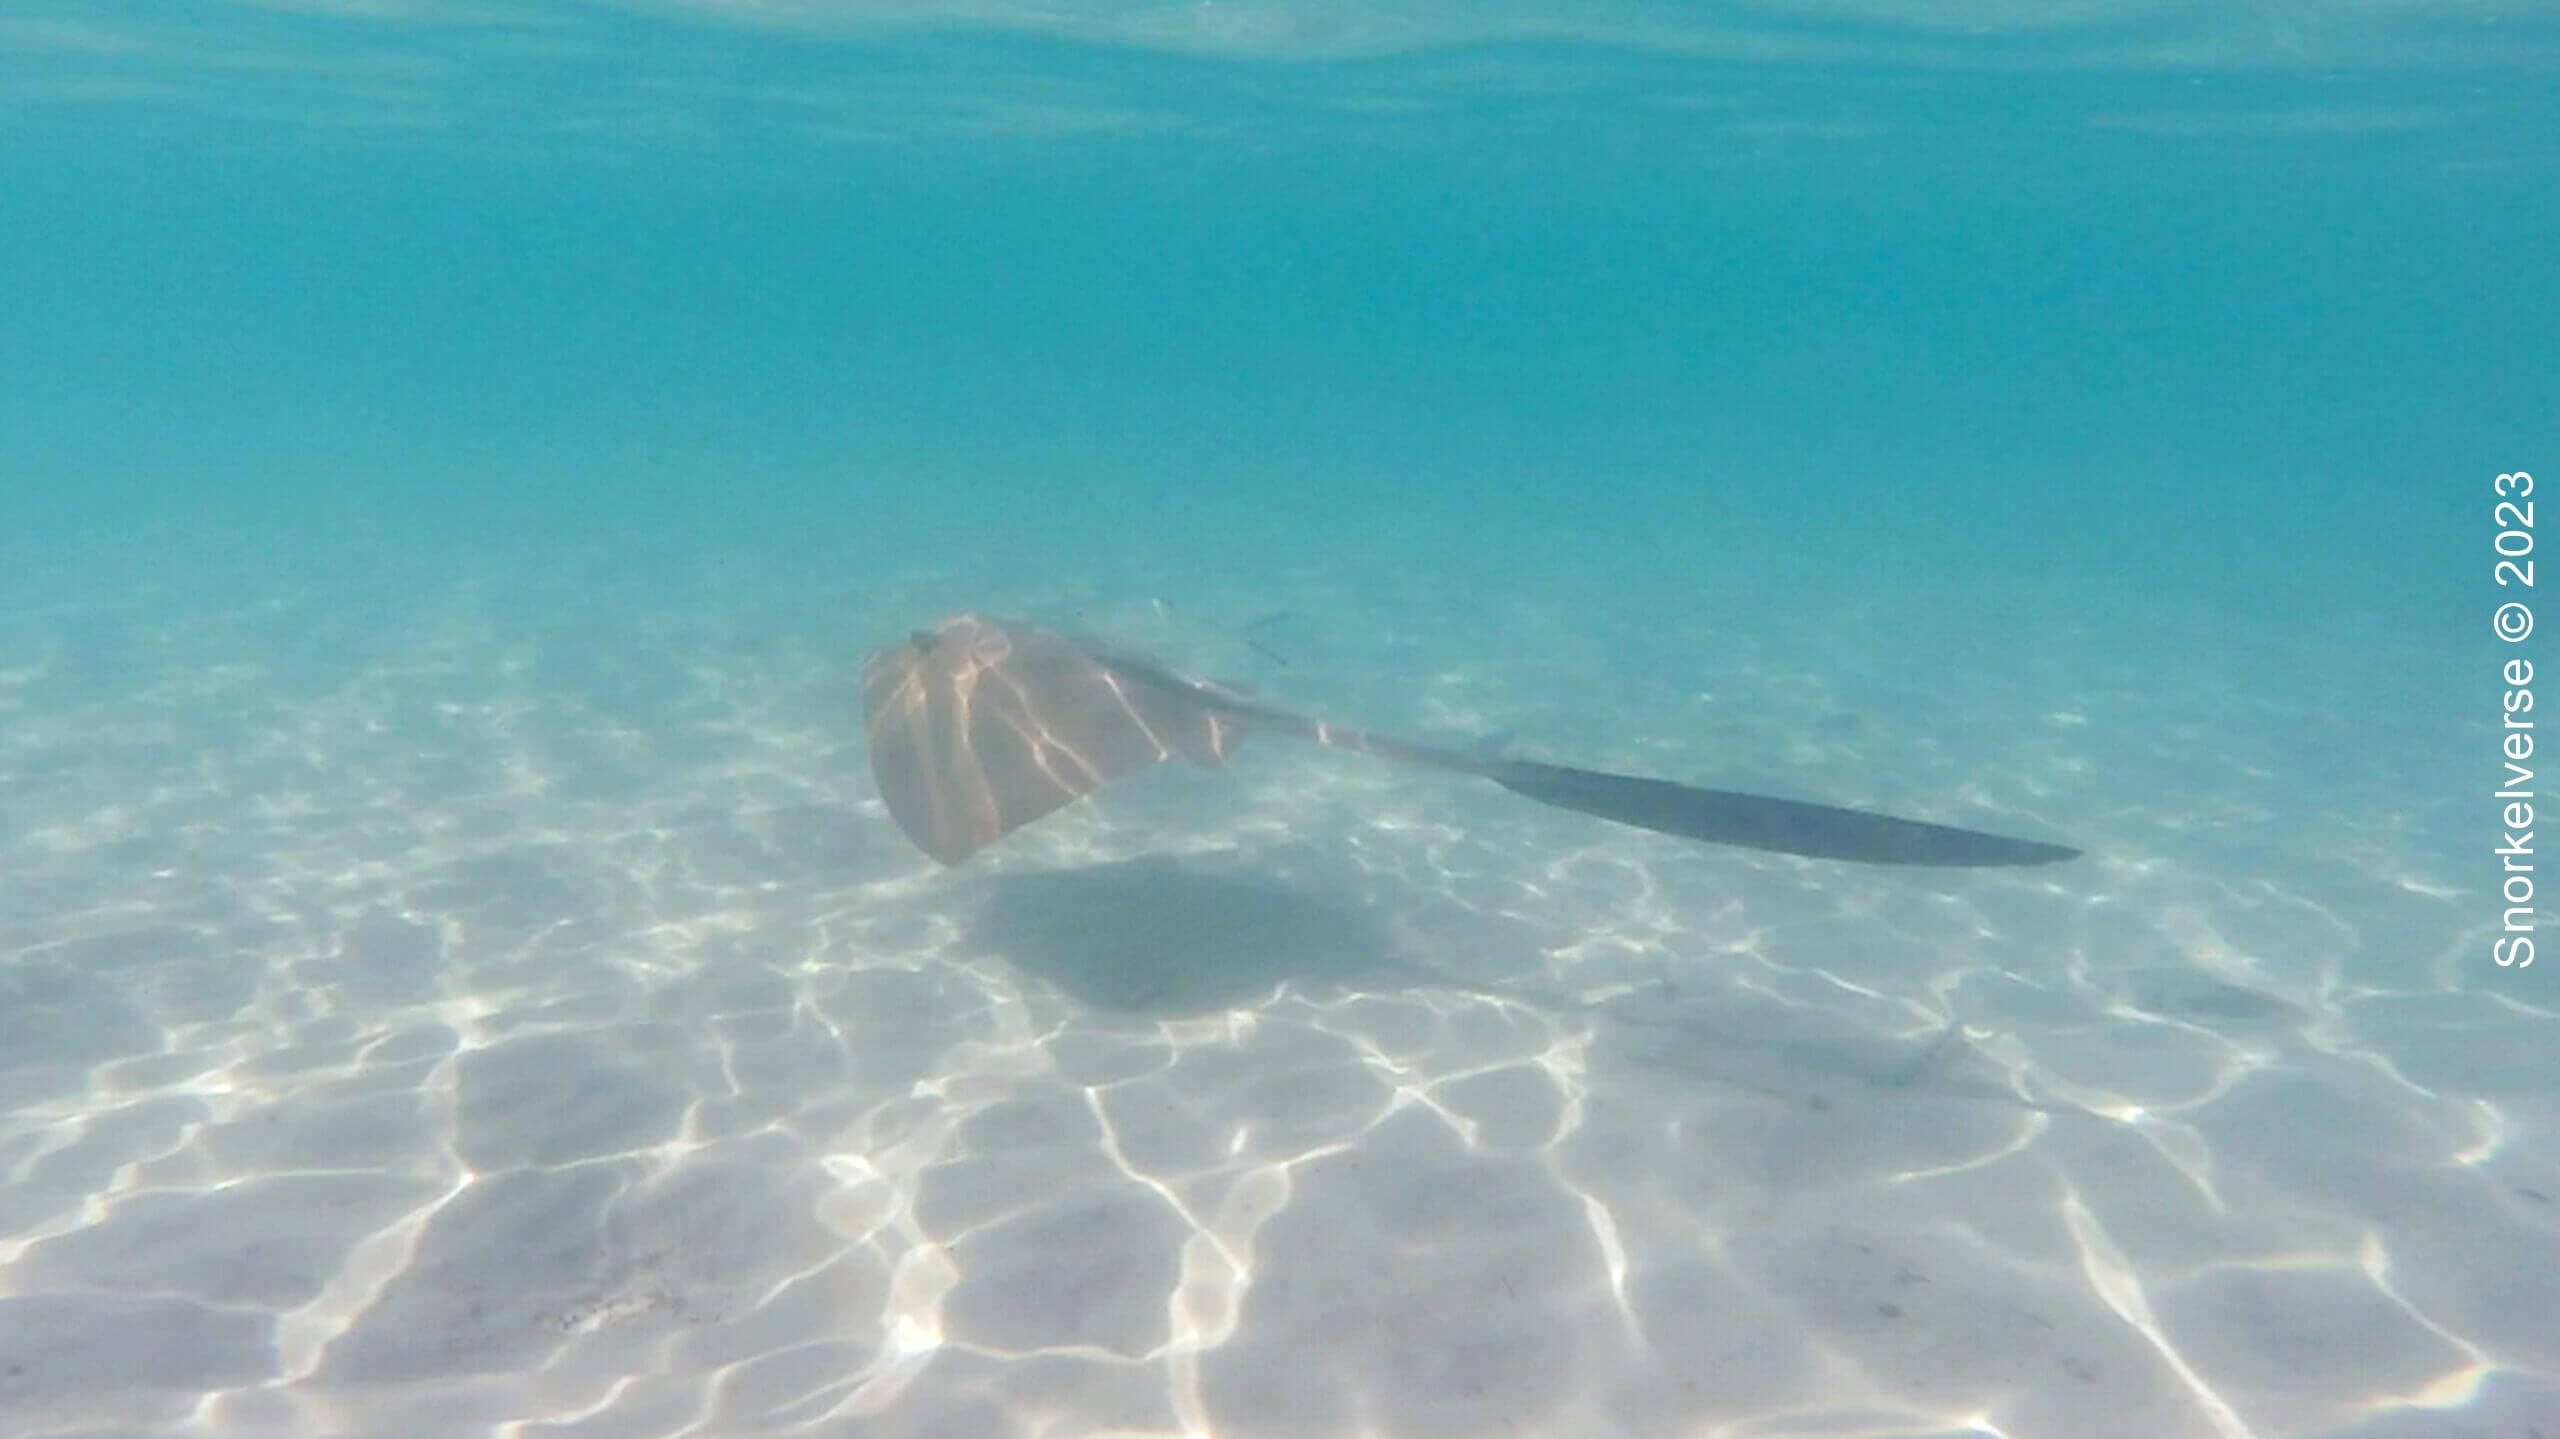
(456, 969)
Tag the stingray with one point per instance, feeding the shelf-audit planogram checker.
(982, 726)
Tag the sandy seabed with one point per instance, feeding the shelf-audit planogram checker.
(439, 1019)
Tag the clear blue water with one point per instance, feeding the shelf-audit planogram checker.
(454, 457)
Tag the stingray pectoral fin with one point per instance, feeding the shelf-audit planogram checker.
(1754, 821)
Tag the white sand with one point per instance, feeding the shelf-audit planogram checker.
(455, 1019)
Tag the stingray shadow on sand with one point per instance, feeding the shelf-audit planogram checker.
(1164, 936)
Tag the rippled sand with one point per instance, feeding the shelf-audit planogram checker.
(430, 1016)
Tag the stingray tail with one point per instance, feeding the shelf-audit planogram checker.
(1753, 821)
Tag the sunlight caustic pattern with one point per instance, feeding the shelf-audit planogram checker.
(489, 1028)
